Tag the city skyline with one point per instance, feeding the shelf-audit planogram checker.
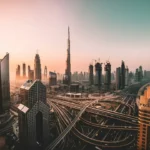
(117, 30)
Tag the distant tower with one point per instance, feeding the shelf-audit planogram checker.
(126, 76)
(91, 74)
(67, 78)
(107, 78)
(33, 116)
(18, 72)
(122, 75)
(29, 70)
(118, 78)
(98, 75)
(45, 73)
(24, 70)
(37, 67)
(4, 84)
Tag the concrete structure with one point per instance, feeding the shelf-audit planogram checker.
(107, 77)
(91, 75)
(34, 116)
(37, 67)
(67, 77)
(52, 78)
(144, 121)
(4, 84)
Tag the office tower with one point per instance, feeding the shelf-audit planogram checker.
(28, 70)
(34, 116)
(24, 70)
(98, 75)
(4, 84)
(118, 78)
(37, 67)
(91, 74)
(52, 78)
(126, 76)
(45, 72)
(122, 75)
(141, 72)
(107, 77)
(18, 72)
(144, 121)
(31, 75)
(67, 77)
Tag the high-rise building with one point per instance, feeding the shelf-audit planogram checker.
(37, 67)
(52, 78)
(67, 77)
(31, 75)
(107, 77)
(33, 116)
(45, 72)
(144, 121)
(4, 84)
(122, 75)
(98, 74)
(29, 70)
(91, 76)
(118, 78)
(24, 70)
(126, 76)
(18, 72)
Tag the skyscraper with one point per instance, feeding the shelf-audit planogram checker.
(144, 121)
(67, 77)
(34, 116)
(24, 70)
(37, 67)
(98, 75)
(107, 78)
(91, 74)
(122, 75)
(45, 72)
(18, 72)
(118, 78)
(4, 84)
(126, 76)
(28, 70)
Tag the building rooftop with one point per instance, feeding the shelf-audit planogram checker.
(27, 85)
(23, 108)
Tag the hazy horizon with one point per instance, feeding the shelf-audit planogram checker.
(117, 31)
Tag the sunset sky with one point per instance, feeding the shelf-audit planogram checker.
(114, 29)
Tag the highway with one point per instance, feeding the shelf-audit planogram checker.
(69, 127)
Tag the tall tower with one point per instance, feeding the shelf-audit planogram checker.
(45, 72)
(68, 63)
(33, 116)
(91, 74)
(18, 72)
(143, 142)
(4, 84)
(98, 74)
(107, 78)
(24, 70)
(122, 75)
(37, 67)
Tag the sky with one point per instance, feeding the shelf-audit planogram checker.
(113, 30)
